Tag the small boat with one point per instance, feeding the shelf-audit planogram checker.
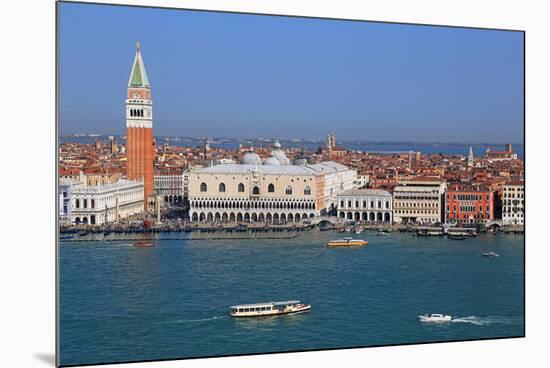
(143, 243)
(269, 309)
(490, 254)
(435, 317)
(347, 242)
(66, 237)
(456, 237)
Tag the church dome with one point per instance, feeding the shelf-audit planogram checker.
(280, 156)
(251, 158)
(271, 161)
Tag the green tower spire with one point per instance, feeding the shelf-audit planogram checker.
(138, 76)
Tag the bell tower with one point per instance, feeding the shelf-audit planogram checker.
(140, 148)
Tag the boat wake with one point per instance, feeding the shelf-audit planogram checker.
(483, 321)
(195, 320)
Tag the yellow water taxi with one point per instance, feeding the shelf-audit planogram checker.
(347, 242)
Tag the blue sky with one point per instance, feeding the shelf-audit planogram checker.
(236, 75)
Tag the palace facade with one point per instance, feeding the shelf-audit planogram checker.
(367, 205)
(101, 204)
(271, 190)
(419, 200)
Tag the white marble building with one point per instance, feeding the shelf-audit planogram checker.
(513, 203)
(100, 204)
(367, 205)
(336, 179)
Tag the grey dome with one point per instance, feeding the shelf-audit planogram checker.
(302, 161)
(251, 158)
(277, 144)
(271, 161)
(281, 156)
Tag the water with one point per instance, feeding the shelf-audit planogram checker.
(479, 149)
(120, 303)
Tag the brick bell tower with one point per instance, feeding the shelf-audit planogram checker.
(140, 148)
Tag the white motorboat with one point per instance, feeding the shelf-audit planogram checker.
(269, 309)
(435, 317)
(490, 254)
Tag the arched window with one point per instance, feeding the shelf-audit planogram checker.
(77, 205)
(271, 188)
(307, 191)
(288, 190)
(131, 112)
(221, 188)
(240, 188)
(256, 191)
(204, 188)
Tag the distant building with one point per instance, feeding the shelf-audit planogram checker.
(331, 141)
(513, 203)
(469, 204)
(367, 205)
(114, 147)
(100, 204)
(470, 162)
(508, 154)
(419, 200)
(337, 152)
(90, 177)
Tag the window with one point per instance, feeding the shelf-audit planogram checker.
(256, 191)
(271, 188)
(240, 188)
(221, 188)
(77, 204)
(288, 190)
(204, 187)
(307, 191)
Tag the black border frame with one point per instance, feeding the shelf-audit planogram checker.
(57, 131)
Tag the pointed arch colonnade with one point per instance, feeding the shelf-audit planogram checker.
(274, 211)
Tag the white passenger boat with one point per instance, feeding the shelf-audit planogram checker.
(435, 317)
(269, 309)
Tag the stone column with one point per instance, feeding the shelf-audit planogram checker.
(157, 200)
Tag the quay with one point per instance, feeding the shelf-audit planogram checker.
(214, 231)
